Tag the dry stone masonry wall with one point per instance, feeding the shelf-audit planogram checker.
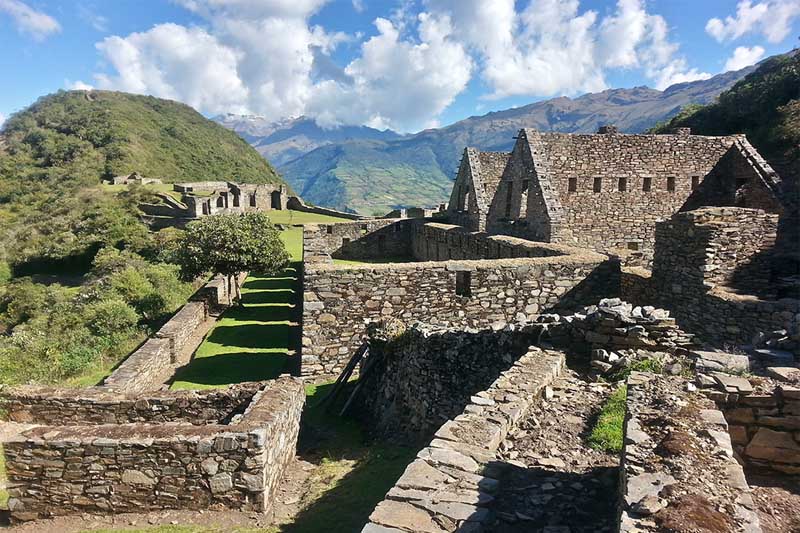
(338, 301)
(450, 486)
(428, 374)
(695, 254)
(96, 405)
(380, 239)
(136, 467)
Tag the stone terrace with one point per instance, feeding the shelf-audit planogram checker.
(218, 449)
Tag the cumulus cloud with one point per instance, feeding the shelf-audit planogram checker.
(172, 61)
(396, 83)
(551, 47)
(267, 58)
(37, 24)
(770, 18)
(744, 57)
(359, 6)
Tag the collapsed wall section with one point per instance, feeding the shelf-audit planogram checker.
(678, 469)
(140, 467)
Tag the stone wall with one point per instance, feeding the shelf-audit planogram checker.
(694, 264)
(154, 362)
(449, 486)
(295, 203)
(339, 301)
(140, 467)
(764, 424)
(603, 191)
(715, 246)
(377, 239)
(678, 470)
(96, 405)
(441, 242)
(428, 374)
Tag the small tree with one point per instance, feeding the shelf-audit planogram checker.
(230, 245)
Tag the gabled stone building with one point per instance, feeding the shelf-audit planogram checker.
(475, 187)
(607, 190)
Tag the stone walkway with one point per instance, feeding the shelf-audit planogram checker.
(555, 482)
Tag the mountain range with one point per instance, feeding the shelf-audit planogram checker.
(369, 171)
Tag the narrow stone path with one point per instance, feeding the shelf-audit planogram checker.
(556, 483)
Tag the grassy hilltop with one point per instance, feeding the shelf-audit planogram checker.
(111, 133)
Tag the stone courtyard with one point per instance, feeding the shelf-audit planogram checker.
(491, 338)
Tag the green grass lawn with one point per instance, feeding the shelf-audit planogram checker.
(254, 342)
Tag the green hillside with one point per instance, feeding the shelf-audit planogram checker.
(370, 177)
(765, 105)
(82, 279)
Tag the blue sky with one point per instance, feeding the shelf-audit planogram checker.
(403, 64)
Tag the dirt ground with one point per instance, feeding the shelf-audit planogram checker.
(778, 501)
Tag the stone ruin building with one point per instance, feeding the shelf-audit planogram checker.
(131, 179)
(206, 198)
(605, 191)
(489, 340)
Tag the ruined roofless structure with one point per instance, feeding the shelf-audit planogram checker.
(606, 191)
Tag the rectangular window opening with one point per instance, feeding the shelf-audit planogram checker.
(345, 241)
(671, 183)
(622, 184)
(464, 284)
(647, 184)
(573, 184)
(509, 196)
(329, 229)
(695, 182)
(633, 246)
(598, 185)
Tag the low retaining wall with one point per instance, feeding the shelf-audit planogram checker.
(172, 346)
(140, 467)
(449, 486)
(678, 470)
(434, 241)
(96, 405)
(295, 203)
(339, 301)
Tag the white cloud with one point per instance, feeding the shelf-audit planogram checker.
(172, 61)
(397, 83)
(771, 18)
(2, 119)
(359, 6)
(744, 57)
(266, 58)
(551, 47)
(77, 85)
(35, 23)
(91, 17)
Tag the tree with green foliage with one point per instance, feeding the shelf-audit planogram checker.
(230, 245)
